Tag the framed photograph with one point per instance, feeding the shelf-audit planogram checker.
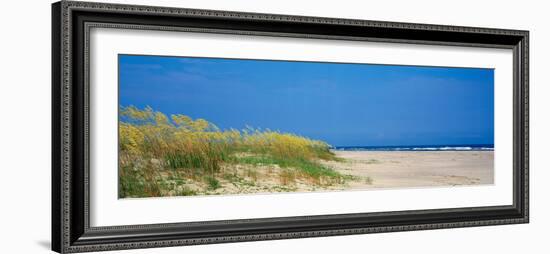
(182, 126)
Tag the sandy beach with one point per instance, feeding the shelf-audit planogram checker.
(399, 169)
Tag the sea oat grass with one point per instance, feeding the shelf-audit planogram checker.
(196, 150)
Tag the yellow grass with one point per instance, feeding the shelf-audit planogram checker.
(152, 144)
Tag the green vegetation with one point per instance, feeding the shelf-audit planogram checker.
(306, 167)
(213, 183)
(176, 155)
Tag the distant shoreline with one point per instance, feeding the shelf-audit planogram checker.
(465, 147)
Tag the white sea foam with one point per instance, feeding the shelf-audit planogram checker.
(412, 148)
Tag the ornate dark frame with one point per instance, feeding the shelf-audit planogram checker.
(71, 22)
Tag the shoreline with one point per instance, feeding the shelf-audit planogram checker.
(411, 150)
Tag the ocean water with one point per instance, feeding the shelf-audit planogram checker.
(466, 147)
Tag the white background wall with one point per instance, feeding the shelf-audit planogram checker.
(25, 126)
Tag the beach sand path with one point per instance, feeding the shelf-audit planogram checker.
(396, 169)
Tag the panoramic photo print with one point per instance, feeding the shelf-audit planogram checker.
(214, 126)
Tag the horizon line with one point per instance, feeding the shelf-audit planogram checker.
(375, 146)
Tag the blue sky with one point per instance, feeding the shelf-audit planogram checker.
(342, 104)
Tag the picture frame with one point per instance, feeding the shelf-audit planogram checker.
(71, 105)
